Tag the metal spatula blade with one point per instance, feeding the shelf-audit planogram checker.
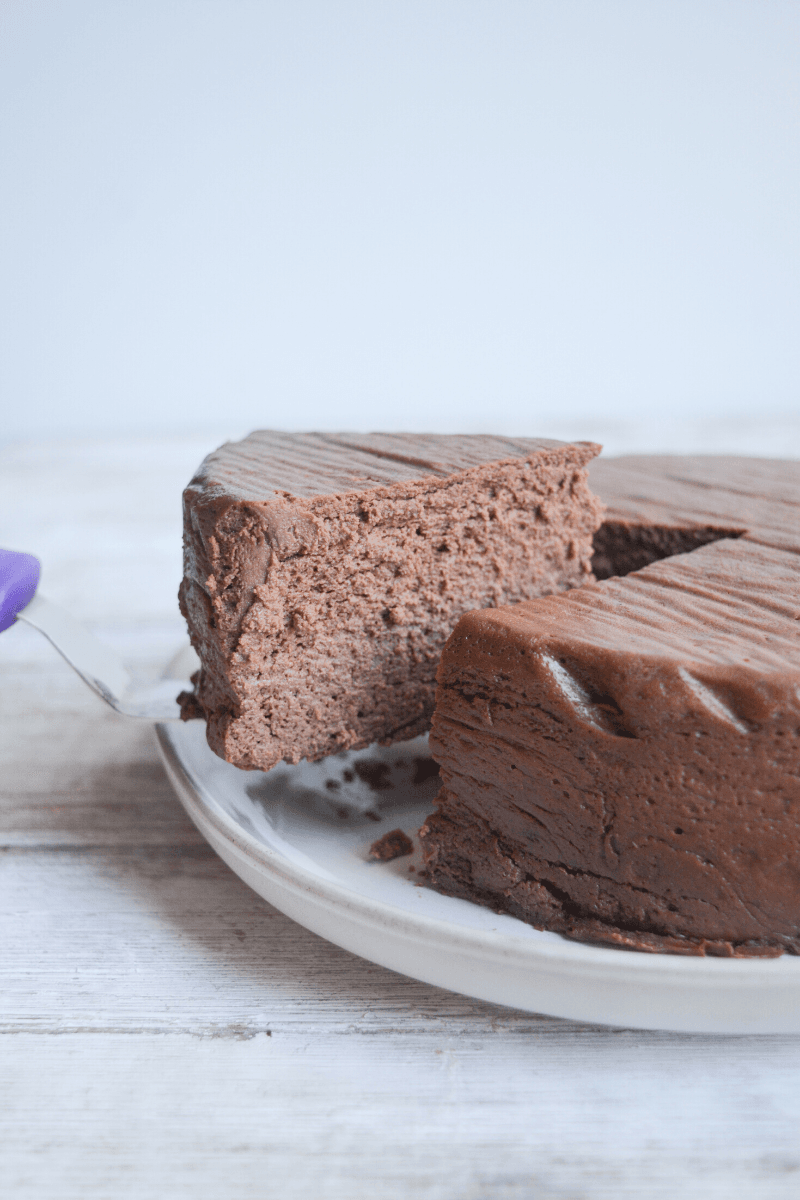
(97, 664)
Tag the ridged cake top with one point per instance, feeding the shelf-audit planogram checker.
(319, 464)
(727, 614)
(758, 497)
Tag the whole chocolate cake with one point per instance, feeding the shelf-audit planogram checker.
(324, 572)
(622, 763)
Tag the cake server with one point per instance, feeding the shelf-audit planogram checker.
(97, 664)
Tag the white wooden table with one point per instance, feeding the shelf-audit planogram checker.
(165, 1033)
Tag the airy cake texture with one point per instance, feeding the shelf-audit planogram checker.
(324, 572)
(620, 764)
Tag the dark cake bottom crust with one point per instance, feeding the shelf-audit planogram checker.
(469, 861)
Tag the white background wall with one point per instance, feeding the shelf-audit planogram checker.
(476, 214)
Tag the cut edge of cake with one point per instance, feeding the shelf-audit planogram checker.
(323, 574)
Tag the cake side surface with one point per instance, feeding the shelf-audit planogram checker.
(620, 763)
(323, 574)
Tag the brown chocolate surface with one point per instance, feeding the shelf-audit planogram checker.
(395, 844)
(622, 763)
(659, 505)
(324, 572)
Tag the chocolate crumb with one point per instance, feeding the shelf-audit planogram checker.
(348, 776)
(392, 845)
(374, 774)
(424, 768)
(332, 785)
(373, 816)
(191, 709)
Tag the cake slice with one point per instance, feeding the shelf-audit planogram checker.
(622, 763)
(324, 572)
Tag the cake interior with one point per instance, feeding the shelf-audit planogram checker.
(321, 618)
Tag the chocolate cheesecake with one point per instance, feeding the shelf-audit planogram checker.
(620, 764)
(659, 504)
(324, 573)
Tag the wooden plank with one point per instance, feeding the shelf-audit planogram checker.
(168, 939)
(469, 1115)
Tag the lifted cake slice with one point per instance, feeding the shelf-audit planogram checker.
(324, 572)
(622, 763)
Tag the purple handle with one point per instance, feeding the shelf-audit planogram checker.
(19, 578)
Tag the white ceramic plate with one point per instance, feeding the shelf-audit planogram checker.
(300, 836)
